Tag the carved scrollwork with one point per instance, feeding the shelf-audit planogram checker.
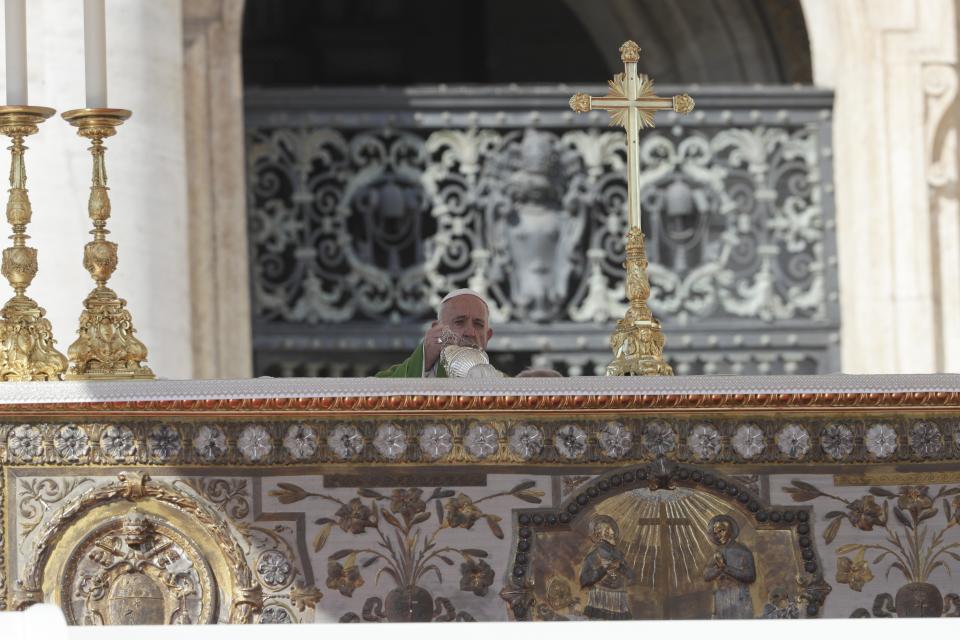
(353, 226)
(38, 495)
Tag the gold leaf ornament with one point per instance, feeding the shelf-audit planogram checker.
(854, 572)
(630, 51)
(683, 103)
(302, 597)
(322, 537)
(580, 102)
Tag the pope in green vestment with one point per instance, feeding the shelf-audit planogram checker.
(412, 367)
(462, 312)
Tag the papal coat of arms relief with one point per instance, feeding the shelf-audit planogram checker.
(138, 570)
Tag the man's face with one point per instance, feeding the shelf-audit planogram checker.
(721, 532)
(467, 317)
(604, 531)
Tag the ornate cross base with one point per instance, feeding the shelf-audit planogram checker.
(637, 342)
(26, 343)
(638, 349)
(106, 348)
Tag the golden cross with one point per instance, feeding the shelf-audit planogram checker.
(632, 104)
(664, 545)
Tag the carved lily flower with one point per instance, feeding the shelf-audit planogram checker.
(355, 516)
(407, 503)
(461, 512)
(344, 580)
(854, 572)
(476, 576)
(915, 500)
(865, 513)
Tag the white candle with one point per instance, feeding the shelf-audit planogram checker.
(95, 52)
(15, 17)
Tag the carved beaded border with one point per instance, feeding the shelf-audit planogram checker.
(597, 440)
(558, 402)
(661, 474)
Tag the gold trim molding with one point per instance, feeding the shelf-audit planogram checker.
(416, 403)
(896, 478)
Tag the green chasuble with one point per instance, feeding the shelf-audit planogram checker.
(412, 367)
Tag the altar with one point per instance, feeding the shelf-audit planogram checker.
(548, 496)
(309, 500)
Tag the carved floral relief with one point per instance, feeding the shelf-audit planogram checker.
(904, 540)
(416, 540)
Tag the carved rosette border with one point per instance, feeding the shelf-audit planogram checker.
(247, 598)
(599, 439)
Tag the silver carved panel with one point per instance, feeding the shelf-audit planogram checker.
(365, 217)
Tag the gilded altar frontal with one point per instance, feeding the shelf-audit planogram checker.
(388, 501)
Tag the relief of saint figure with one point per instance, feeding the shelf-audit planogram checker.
(731, 569)
(605, 573)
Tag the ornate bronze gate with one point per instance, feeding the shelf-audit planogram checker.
(367, 205)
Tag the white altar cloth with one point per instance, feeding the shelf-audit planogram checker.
(161, 390)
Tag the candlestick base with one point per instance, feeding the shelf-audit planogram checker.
(26, 343)
(106, 348)
(26, 336)
(638, 340)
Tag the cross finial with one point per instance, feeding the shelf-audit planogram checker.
(630, 51)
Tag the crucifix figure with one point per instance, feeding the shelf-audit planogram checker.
(637, 342)
(664, 545)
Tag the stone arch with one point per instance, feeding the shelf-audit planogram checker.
(244, 596)
(786, 532)
(308, 43)
(716, 41)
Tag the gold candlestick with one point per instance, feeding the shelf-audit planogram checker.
(638, 340)
(26, 337)
(106, 348)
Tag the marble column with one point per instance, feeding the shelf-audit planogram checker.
(145, 165)
(220, 286)
(893, 65)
